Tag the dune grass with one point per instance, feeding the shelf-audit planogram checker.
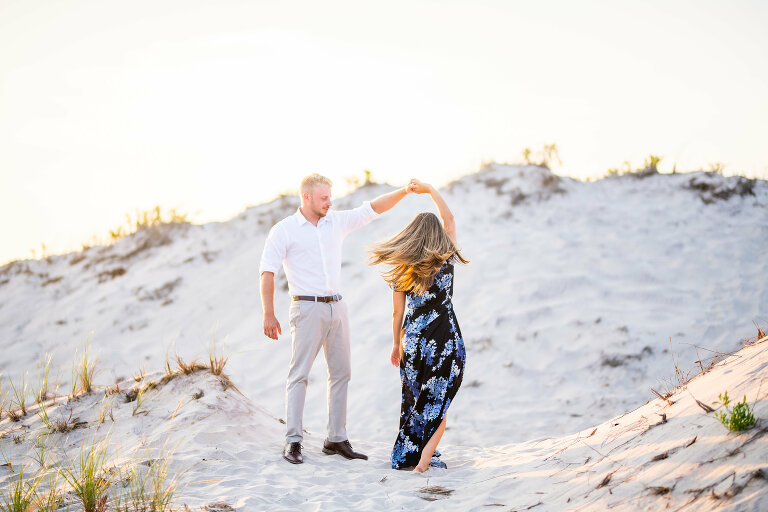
(44, 371)
(52, 500)
(89, 479)
(3, 397)
(83, 372)
(17, 407)
(216, 361)
(20, 493)
(147, 490)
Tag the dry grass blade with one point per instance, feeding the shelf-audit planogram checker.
(140, 375)
(217, 361)
(701, 404)
(189, 368)
(670, 402)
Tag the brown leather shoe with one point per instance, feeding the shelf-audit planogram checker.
(292, 453)
(343, 448)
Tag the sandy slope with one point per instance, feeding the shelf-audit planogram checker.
(579, 298)
(664, 455)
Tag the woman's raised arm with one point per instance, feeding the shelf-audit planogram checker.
(445, 213)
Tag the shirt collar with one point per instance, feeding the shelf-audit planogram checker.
(301, 219)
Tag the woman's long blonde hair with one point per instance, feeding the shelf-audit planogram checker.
(415, 254)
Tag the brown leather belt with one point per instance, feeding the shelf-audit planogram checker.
(330, 298)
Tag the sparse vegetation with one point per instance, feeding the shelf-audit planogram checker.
(52, 500)
(739, 418)
(217, 361)
(17, 408)
(189, 368)
(3, 397)
(149, 490)
(44, 371)
(106, 410)
(90, 482)
(651, 163)
(112, 390)
(83, 372)
(544, 157)
(356, 182)
(20, 494)
(139, 401)
(147, 218)
(649, 168)
(40, 451)
(717, 167)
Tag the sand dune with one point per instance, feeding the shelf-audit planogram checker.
(579, 298)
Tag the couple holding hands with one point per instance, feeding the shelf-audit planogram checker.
(427, 343)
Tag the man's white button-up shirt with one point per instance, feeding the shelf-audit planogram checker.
(311, 255)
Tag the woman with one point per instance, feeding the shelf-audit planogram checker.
(427, 346)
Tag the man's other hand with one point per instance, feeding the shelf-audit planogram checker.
(271, 326)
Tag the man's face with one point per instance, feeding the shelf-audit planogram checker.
(320, 200)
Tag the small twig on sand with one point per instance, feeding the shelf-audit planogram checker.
(701, 404)
(670, 402)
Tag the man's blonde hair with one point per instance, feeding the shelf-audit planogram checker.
(312, 181)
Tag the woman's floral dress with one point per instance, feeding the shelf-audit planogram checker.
(431, 369)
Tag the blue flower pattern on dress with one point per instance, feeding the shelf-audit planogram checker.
(431, 369)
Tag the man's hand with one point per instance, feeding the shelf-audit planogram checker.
(271, 326)
(417, 187)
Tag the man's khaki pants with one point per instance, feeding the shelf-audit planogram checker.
(315, 325)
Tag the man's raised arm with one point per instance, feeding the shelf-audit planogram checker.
(386, 201)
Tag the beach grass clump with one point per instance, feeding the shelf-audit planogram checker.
(143, 219)
(60, 425)
(189, 368)
(3, 397)
(140, 375)
(735, 419)
(106, 410)
(52, 500)
(89, 480)
(216, 360)
(150, 490)
(17, 408)
(43, 376)
(83, 372)
(19, 494)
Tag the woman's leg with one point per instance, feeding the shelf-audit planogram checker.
(429, 449)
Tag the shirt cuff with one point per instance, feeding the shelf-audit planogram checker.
(267, 268)
(371, 211)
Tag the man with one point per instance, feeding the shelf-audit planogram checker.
(308, 246)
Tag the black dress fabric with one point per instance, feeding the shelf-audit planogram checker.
(431, 369)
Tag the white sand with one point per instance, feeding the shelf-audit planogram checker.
(568, 307)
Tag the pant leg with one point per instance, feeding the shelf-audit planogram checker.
(309, 323)
(338, 359)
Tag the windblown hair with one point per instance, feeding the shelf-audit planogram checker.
(313, 180)
(416, 254)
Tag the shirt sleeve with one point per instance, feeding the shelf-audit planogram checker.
(357, 217)
(274, 251)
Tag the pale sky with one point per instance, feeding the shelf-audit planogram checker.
(107, 107)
